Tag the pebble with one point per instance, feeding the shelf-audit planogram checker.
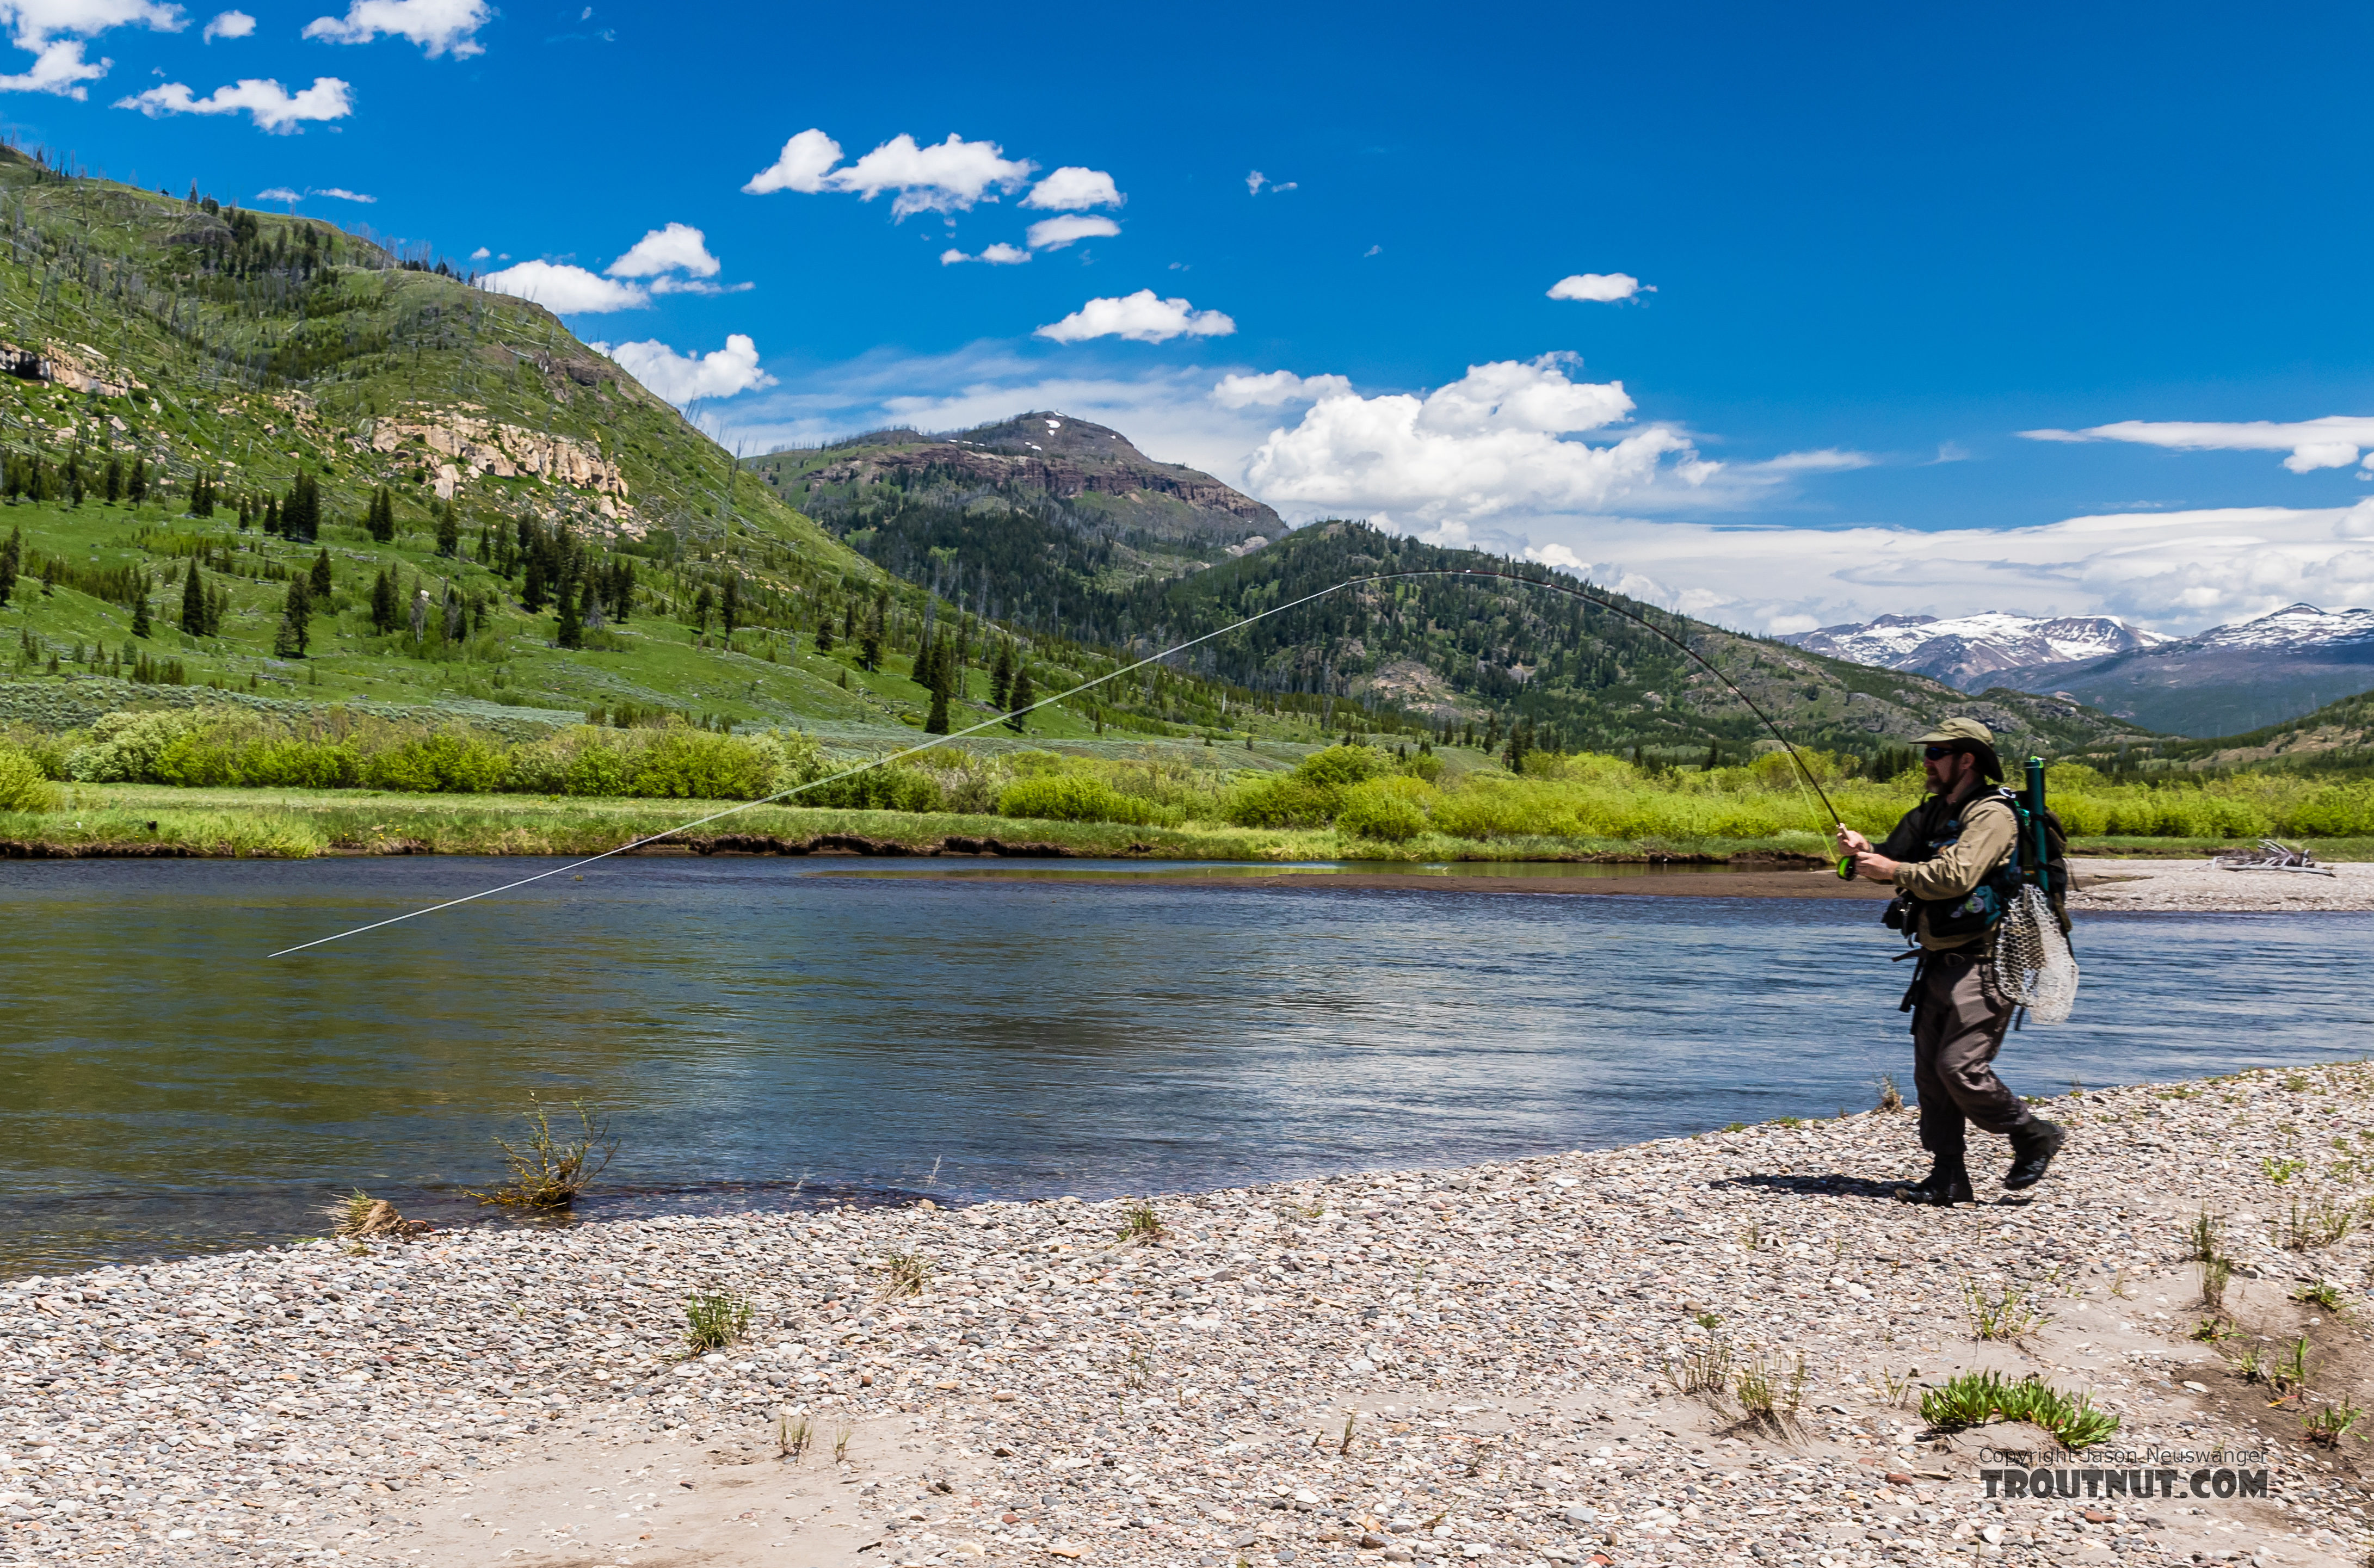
(1470, 1366)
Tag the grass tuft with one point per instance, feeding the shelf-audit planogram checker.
(2310, 1226)
(549, 1169)
(905, 1274)
(1142, 1222)
(716, 1319)
(2328, 1426)
(2009, 1315)
(1706, 1371)
(1890, 1098)
(1975, 1398)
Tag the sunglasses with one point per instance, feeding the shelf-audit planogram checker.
(1931, 754)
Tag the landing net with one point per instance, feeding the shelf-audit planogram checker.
(2033, 965)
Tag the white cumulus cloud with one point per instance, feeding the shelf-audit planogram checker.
(996, 256)
(684, 378)
(2330, 442)
(950, 176)
(806, 158)
(274, 107)
(55, 32)
(440, 27)
(677, 248)
(566, 290)
(1603, 288)
(1493, 442)
(1276, 389)
(1072, 189)
(1054, 233)
(229, 24)
(280, 193)
(1141, 318)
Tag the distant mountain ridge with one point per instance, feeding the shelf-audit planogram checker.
(2232, 678)
(1975, 652)
(1083, 465)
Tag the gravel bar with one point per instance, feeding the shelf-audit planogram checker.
(2199, 887)
(1473, 1365)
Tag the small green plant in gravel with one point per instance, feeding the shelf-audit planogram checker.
(2215, 1273)
(1141, 1222)
(1890, 1097)
(2328, 1426)
(1769, 1395)
(1704, 1370)
(1896, 1388)
(2212, 1329)
(550, 1169)
(2007, 1314)
(2314, 1225)
(905, 1274)
(793, 1435)
(1974, 1397)
(2323, 1294)
(2288, 1373)
(2282, 1171)
(714, 1319)
(2205, 1237)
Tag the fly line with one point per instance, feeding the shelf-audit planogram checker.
(1805, 773)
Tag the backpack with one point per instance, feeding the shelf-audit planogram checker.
(2056, 853)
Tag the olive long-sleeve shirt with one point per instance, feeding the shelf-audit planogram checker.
(1989, 833)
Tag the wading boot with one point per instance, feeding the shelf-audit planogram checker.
(1947, 1183)
(2033, 1144)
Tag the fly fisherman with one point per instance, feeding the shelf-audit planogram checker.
(1945, 860)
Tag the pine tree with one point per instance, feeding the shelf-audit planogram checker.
(572, 630)
(1020, 698)
(1001, 675)
(271, 514)
(1714, 756)
(194, 602)
(449, 531)
(535, 591)
(140, 614)
(729, 612)
(295, 630)
(824, 634)
(622, 592)
(380, 519)
(12, 561)
(869, 642)
(137, 486)
(937, 724)
(112, 488)
(384, 613)
(321, 575)
(704, 604)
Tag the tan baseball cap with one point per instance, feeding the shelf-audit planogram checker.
(1970, 736)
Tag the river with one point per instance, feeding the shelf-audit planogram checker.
(764, 1032)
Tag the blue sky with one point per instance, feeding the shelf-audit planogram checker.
(1866, 251)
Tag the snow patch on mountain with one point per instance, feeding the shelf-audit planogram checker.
(2293, 627)
(1965, 649)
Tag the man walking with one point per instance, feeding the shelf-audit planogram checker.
(1946, 860)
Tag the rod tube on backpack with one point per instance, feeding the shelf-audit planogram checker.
(2039, 866)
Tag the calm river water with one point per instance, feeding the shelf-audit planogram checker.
(768, 1032)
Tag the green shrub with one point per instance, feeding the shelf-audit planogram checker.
(449, 762)
(1070, 797)
(895, 787)
(23, 787)
(1386, 809)
(2337, 811)
(1342, 765)
(1281, 801)
(125, 747)
(694, 765)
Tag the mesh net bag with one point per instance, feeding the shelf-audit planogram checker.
(2033, 965)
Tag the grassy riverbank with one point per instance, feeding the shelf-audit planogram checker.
(297, 824)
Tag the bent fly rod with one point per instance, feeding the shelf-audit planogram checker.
(1572, 591)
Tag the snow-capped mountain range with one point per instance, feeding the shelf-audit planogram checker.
(1972, 651)
(2225, 680)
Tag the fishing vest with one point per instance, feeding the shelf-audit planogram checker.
(1973, 913)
